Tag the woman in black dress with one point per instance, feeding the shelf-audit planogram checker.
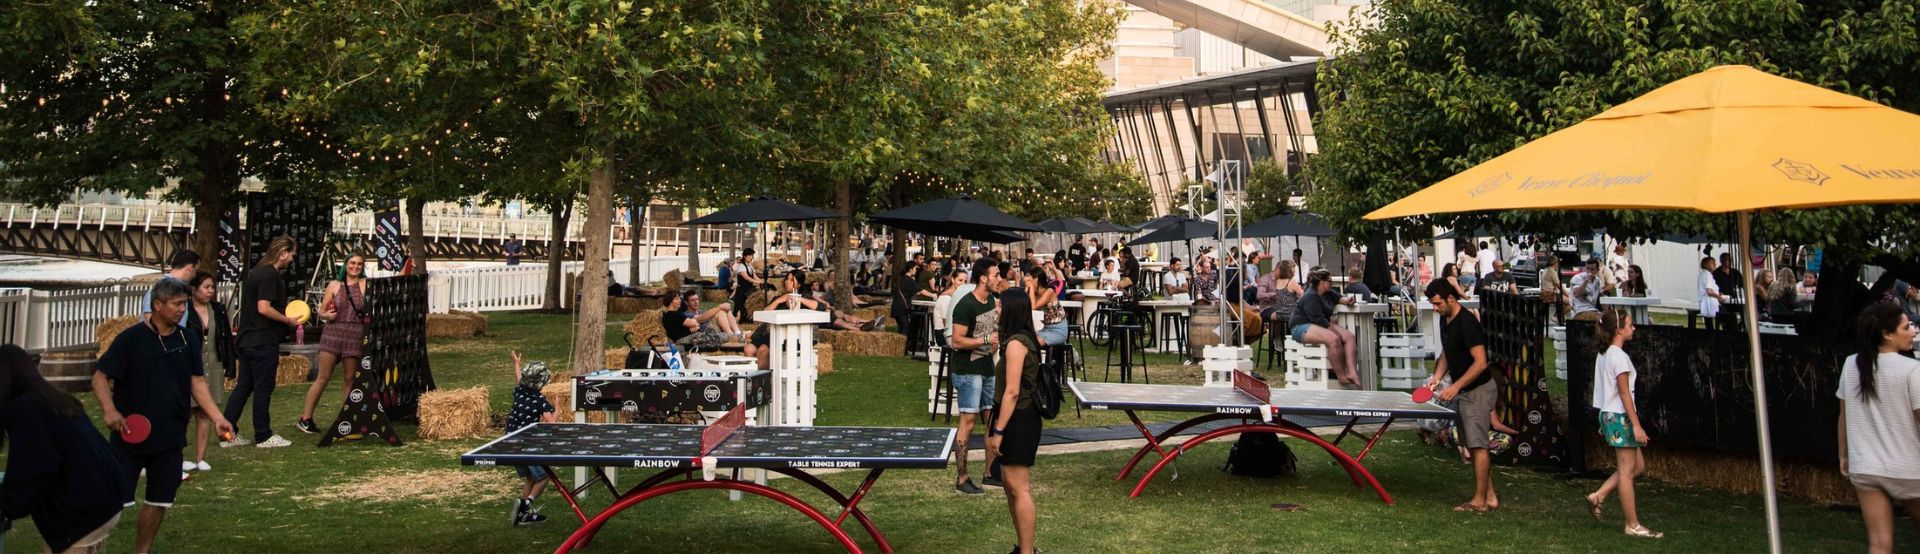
(1014, 437)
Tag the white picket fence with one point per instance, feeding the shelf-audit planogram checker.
(523, 287)
(41, 321)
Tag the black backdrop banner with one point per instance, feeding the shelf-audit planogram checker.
(1696, 388)
(388, 241)
(232, 266)
(1516, 341)
(309, 223)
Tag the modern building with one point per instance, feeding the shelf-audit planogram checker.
(1199, 83)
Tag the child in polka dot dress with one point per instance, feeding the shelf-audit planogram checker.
(529, 407)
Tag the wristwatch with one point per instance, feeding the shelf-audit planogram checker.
(992, 431)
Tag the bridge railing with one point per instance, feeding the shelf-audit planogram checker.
(354, 223)
(523, 287)
(41, 321)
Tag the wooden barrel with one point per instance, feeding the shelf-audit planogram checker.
(1203, 330)
(69, 375)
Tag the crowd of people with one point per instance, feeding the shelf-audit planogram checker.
(158, 370)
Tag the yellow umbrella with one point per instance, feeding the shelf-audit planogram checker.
(1728, 139)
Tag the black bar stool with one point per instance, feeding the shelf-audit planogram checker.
(1126, 340)
(1173, 330)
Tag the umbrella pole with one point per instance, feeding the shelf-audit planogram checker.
(1759, 381)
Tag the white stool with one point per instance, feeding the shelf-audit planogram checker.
(1402, 360)
(936, 387)
(1559, 335)
(1219, 362)
(1307, 366)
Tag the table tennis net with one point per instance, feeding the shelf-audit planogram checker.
(1252, 387)
(718, 432)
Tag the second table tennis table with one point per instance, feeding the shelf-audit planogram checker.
(1259, 409)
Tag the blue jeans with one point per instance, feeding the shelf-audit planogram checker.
(973, 393)
(1054, 334)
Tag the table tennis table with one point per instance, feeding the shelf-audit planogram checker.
(681, 451)
(1247, 400)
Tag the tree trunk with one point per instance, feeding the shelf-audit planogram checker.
(417, 233)
(693, 246)
(209, 204)
(557, 253)
(590, 333)
(842, 279)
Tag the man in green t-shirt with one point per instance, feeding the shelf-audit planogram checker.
(973, 375)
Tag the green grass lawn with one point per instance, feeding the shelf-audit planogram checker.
(417, 498)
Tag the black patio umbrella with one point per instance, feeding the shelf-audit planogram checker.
(1109, 227)
(1297, 224)
(762, 208)
(1071, 225)
(1156, 223)
(949, 217)
(1179, 230)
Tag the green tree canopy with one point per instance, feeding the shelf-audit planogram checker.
(1424, 89)
(135, 96)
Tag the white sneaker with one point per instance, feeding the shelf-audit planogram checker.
(237, 441)
(273, 442)
(202, 466)
(188, 466)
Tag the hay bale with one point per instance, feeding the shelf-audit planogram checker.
(452, 325)
(652, 303)
(645, 324)
(869, 313)
(107, 330)
(616, 358)
(479, 320)
(292, 370)
(623, 305)
(452, 414)
(714, 295)
(825, 354)
(560, 393)
(758, 301)
(673, 280)
(863, 343)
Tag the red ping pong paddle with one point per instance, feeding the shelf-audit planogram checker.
(137, 429)
(1422, 395)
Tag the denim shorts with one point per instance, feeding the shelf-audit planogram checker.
(1300, 332)
(533, 473)
(1054, 334)
(973, 393)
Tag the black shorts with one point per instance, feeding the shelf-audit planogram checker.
(761, 336)
(163, 474)
(1022, 440)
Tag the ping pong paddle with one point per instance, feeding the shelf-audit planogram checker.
(1422, 395)
(137, 429)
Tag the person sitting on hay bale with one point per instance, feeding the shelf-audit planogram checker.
(529, 407)
(823, 292)
(693, 329)
(791, 299)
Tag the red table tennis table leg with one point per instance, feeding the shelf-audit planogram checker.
(1353, 467)
(1154, 442)
(850, 506)
(592, 526)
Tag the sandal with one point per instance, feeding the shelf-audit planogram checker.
(1469, 507)
(1643, 532)
(1594, 508)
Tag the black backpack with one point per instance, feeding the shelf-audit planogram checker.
(1046, 396)
(1259, 454)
